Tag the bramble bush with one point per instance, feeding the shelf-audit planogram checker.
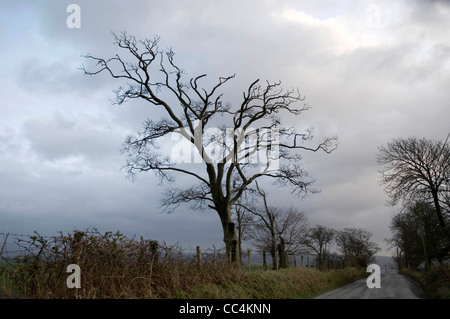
(112, 266)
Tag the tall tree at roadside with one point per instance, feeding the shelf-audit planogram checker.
(417, 235)
(182, 106)
(417, 169)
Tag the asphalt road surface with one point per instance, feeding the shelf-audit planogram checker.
(393, 286)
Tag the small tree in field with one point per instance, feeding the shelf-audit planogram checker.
(277, 230)
(244, 221)
(227, 156)
(355, 242)
(318, 240)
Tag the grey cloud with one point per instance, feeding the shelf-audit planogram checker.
(60, 77)
(51, 200)
(8, 140)
(57, 137)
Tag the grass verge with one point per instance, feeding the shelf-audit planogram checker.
(291, 283)
(435, 284)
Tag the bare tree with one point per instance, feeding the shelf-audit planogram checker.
(356, 242)
(418, 236)
(252, 128)
(244, 221)
(291, 226)
(318, 241)
(416, 169)
(264, 230)
(278, 230)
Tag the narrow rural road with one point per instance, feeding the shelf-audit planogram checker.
(393, 286)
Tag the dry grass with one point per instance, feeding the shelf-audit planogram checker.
(113, 266)
(298, 283)
(435, 284)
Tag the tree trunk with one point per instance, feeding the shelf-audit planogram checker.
(406, 259)
(434, 193)
(319, 260)
(264, 260)
(230, 237)
(282, 254)
(239, 220)
(274, 252)
(422, 236)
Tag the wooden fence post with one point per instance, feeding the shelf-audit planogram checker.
(301, 261)
(77, 246)
(199, 256)
(76, 251)
(264, 260)
(295, 261)
(3, 246)
(248, 253)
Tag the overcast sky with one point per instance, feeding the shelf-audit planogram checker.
(371, 71)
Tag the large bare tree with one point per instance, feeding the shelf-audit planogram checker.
(415, 169)
(252, 129)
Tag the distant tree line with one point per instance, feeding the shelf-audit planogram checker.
(281, 232)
